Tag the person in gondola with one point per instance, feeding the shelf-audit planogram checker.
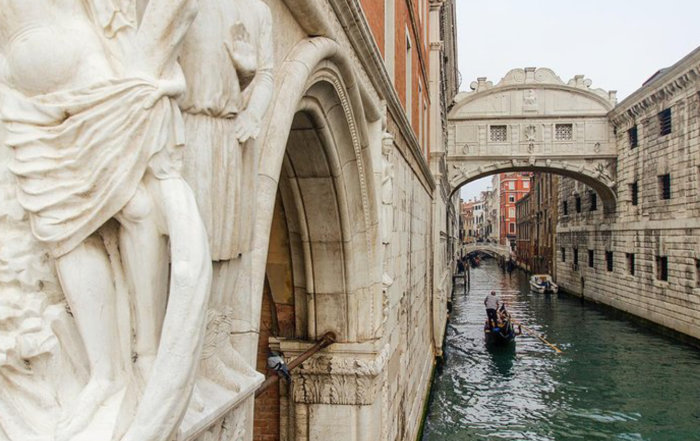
(492, 302)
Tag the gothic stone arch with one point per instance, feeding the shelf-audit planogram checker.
(533, 121)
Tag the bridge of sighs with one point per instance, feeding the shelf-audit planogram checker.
(533, 121)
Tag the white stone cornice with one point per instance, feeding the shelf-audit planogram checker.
(677, 79)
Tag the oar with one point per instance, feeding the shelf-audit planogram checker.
(534, 334)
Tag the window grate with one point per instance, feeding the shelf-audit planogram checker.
(664, 122)
(563, 132)
(634, 192)
(498, 134)
(630, 263)
(632, 136)
(662, 268)
(665, 186)
(609, 260)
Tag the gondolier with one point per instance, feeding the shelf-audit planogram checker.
(492, 301)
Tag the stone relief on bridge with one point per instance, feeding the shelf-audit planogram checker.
(105, 264)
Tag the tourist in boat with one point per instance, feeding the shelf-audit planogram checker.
(492, 302)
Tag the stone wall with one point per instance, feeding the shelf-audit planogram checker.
(638, 235)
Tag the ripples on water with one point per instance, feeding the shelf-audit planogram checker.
(614, 381)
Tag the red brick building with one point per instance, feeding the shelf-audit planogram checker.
(513, 186)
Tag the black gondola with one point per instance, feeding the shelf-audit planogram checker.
(500, 335)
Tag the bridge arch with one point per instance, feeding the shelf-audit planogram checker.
(533, 121)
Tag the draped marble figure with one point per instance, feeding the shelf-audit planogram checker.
(223, 109)
(87, 91)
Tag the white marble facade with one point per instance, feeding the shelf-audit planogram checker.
(144, 145)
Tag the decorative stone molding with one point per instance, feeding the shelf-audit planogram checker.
(346, 378)
(531, 78)
(679, 78)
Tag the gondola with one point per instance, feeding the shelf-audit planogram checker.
(500, 335)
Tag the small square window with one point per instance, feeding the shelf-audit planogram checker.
(578, 204)
(630, 262)
(632, 137)
(563, 132)
(609, 260)
(511, 198)
(665, 122)
(526, 184)
(590, 258)
(563, 254)
(665, 186)
(634, 193)
(662, 268)
(594, 202)
(498, 133)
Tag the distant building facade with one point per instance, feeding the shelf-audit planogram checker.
(513, 186)
(536, 224)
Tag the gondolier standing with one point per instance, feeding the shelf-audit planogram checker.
(492, 301)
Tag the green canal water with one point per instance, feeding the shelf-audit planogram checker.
(615, 380)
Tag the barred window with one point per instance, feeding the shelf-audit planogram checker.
(498, 133)
(590, 258)
(634, 192)
(662, 268)
(594, 202)
(665, 186)
(563, 254)
(565, 207)
(578, 204)
(575, 256)
(630, 263)
(609, 260)
(665, 122)
(632, 136)
(563, 132)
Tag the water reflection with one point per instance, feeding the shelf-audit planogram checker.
(614, 381)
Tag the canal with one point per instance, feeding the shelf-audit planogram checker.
(615, 380)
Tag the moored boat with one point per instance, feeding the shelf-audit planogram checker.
(543, 283)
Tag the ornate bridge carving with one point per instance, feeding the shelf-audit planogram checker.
(533, 121)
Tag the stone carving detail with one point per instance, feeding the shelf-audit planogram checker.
(223, 108)
(530, 133)
(387, 188)
(336, 379)
(529, 100)
(97, 137)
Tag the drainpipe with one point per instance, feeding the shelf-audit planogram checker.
(327, 339)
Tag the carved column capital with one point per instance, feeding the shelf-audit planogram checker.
(339, 375)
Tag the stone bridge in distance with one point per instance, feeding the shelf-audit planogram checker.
(493, 249)
(533, 121)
